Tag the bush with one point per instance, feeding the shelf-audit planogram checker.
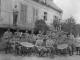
(40, 25)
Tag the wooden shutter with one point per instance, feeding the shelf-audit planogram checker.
(23, 14)
(35, 14)
(0, 7)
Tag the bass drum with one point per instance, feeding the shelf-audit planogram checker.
(62, 49)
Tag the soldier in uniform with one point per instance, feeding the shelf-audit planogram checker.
(17, 39)
(7, 34)
(72, 43)
(17, 48)
(7, 37)
(27, 36)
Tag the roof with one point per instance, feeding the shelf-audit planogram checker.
(50, 4)
(53, 5)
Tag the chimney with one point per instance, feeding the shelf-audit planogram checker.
(44, 1)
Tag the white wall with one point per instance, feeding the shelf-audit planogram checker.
(7, 15)
(6, 12)
(41, 9)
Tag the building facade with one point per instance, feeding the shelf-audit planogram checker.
(6, 17)
(29, 11)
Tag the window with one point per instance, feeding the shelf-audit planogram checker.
(45, 1)
(45, 16)
(23, 14)
(0, 7)
(56, 17)
(35, 14)
(15, 16)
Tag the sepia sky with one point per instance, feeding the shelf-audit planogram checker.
(70, 8)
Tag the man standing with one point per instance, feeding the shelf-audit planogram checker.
(15, 15)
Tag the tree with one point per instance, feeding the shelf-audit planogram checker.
(40, 25)
(77, 29)
(71, 20)
(69, 25)
(56, 23)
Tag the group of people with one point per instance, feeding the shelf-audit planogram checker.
(44, 44)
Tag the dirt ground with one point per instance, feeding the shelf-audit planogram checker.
(11, 57)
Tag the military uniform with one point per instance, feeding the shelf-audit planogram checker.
(7, 36)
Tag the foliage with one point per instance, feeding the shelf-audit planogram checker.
(69, 26)
(77, 29)
(40, 25)
(56, 23)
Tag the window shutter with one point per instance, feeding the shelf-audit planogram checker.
(23, 14)
(0, 7)
(35, 14)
